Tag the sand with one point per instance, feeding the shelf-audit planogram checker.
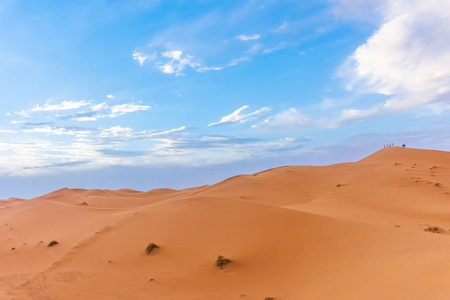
(373, 229)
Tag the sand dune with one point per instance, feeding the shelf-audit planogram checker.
(374, 229)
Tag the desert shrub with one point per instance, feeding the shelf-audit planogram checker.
(150, 248)
(433, 229)
(52, 243)
(222, 261)
(437, 184)
(269, 298)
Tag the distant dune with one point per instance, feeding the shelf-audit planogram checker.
(373, 229)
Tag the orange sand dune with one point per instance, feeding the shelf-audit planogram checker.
(345, 231)
(395, 186)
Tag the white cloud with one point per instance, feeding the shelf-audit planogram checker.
(42, 156)
(141, 57)
(128, 133)
(117, 131)
(356, 114)
(175, 55)
(110, 96)
(407, 58)
(175, 62)
(167, 68)
(236, 117)
(85, 118)
(178, 63)
(103, 110)
(121, 109)
(23, 113)
(249, 37)
(65, 105)
(154, 135)
(293, 120)
(49, 129)
(109, 147)
(7, 131)
(48, 106)
(204, 69)
(98, 107)
(285, 121)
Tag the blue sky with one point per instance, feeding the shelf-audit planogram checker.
(147, 94)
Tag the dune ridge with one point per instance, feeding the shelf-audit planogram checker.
(373, 229)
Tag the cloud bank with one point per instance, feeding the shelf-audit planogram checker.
(407, 58)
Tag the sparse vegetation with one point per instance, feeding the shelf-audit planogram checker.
(52, 243)
(437, 184)
(150, 248)
(433, 229)
(339, 185)
(269, 298)
(222, 261)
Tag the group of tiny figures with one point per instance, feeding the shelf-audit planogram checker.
(392, 144)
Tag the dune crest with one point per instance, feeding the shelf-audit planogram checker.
(373, 229)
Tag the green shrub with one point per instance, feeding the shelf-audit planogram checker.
(222, 261)
(150, 248)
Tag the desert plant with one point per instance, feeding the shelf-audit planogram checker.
(222, 261)
(52, 243)
(433, 229)
(437, 184)
(150, 248)
(269, 298)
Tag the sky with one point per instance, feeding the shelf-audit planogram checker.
(172, 93)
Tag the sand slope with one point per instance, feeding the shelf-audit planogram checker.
(345, 231)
